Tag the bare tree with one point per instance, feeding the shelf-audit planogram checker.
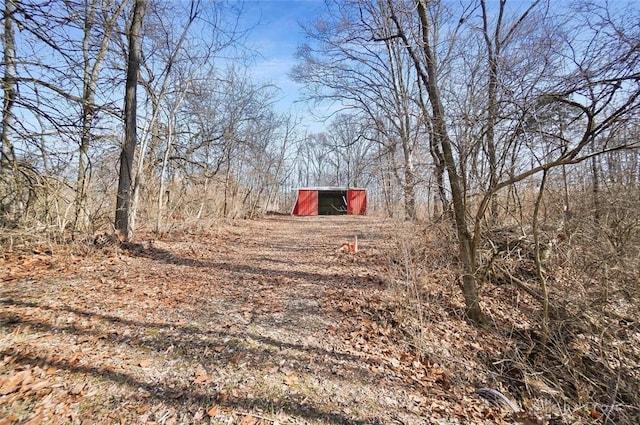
(351, 147)
(64, 119)
(8, 164)
(175, 78)
(8, 84)
(346, 65)
(62, 93)
(496, 40)
(94, 53)
(313, 161)
(124, 198)
(600, 90)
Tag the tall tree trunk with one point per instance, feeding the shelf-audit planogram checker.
(465, 245)
(492, 113)
(156, 97)
(8, 160)
(438, 170)
(387, 187)
(123, 202)
(163, 171)
(9, 85)
(151, 142)
(203, 200)
(227, 179)
(493, 53)
(538, 261)
(91, 73)
(165, 160)
(86, 118)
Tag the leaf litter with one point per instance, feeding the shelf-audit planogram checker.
(257, 322)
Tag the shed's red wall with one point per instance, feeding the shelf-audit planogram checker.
(307, 203)
(356, 202)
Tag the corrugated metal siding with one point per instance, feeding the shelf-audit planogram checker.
(356, 202)
(307, 203)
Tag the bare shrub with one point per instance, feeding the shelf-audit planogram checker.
(586, 362)
(429, 304)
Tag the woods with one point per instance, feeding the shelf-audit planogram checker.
(481, 98)
(70, 110)
(501, 136)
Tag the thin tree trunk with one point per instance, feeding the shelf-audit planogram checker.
(123, 201)
(163, 171)
(151, 142)
(152, 134)
(203, 200)
(226, 187)
(493, 53)
(595, 191)
(387, 188)
(165, 159)
(9, 84)
(538, 261)
(91, 73)
(7, 151)
(409, 189)
(11, 210)
(438, 170)
(465, 245)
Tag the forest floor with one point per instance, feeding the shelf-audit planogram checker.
(253, 322)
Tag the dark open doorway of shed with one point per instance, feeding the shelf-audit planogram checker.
(332, 202)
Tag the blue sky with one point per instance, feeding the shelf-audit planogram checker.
(276, 36)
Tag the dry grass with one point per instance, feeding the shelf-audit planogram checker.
(588, 365)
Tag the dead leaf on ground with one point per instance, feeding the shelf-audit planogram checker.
(40, 385)
(8, 420)
(202, 378)
(594, 414)
(36, 420)
(77, 388)
(249, 420)
(161, 311)
(213, 411)
(14, 382)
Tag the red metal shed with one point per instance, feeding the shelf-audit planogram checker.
(330, 201)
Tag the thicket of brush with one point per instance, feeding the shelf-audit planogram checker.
(564, 338)
(36, 209)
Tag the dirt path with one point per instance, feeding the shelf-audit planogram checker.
(260, 322)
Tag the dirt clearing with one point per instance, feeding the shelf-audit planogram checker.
(260, 321)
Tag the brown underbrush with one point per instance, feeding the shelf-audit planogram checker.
(578, 364)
